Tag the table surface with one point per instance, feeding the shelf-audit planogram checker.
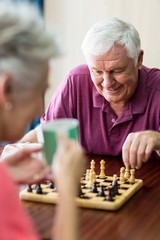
(138, 219)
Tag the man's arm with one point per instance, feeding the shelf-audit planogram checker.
(31, 136)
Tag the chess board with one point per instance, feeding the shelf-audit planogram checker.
(87, 197)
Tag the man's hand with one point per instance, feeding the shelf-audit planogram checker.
(139, 146)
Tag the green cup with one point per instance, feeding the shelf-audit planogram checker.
(51, 130)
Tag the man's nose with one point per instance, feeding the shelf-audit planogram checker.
(108, 80)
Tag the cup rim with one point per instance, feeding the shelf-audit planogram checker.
(73, 122)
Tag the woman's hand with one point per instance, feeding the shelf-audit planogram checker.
(26, 165)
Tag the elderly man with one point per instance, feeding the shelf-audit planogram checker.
(115, 98)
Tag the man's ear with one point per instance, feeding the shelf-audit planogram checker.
(5, 88)
(140, 59)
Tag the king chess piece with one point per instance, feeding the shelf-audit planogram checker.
(102, 169)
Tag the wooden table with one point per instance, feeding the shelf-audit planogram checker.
(138, 219)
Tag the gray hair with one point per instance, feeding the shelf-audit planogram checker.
(103, 35)
(25, 44)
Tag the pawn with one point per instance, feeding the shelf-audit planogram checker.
(127, 173)
(94, 189)
(94, 176)
(101, 192)
(115, 182)
(115, 188)
(29, 189)
(87, 175)
(51, 185)
(115, 177)
(92, 165)
(38, 189)
(132, 177)
(91, 179)
(121, 177)
(109, 197)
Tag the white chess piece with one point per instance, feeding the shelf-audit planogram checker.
(102, 169)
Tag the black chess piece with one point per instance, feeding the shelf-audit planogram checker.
(51, 185)
(94, 189)
(115, 187)
(38, 189)
(109, 197)
(29, 189)
(101, 192)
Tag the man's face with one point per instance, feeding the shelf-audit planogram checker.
(115, 75)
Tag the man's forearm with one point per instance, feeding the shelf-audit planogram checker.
(31, 137)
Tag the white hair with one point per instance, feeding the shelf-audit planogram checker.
(104, 34)
(25, 44)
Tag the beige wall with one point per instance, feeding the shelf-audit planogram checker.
(72, 19)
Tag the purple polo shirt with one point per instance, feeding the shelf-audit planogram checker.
(101, 132)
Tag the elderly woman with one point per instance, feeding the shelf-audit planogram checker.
(25, 50)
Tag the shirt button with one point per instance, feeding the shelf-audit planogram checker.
(113, 120)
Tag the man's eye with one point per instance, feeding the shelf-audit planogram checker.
(117, 71)
(97, 73)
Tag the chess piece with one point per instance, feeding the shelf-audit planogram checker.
(102, 169)
(94, 189)
(109, 197)
(38, 189)
(94, 176)
(132, 177)
(122, 178)
(115, 180)
(92, 164)
(51, 185)
(91, 179)
(101, 192)
(115, 177)
(29, 189)
(115, 187)
(87, 175)
(93, 169)
(127, 173)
